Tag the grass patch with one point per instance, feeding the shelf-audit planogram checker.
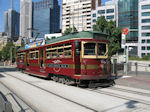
(144, 58)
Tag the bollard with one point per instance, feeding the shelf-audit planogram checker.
(115, 68)
(136, 68)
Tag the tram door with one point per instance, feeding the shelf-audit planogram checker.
(42, 58)
(77, 58)
(27, 59)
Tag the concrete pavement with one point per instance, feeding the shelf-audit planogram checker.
(140, 80)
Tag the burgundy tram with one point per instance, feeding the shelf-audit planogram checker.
(73, 59)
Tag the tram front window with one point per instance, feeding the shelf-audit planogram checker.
(101, 49)
(89, 48)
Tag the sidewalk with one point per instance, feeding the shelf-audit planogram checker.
(140, 80)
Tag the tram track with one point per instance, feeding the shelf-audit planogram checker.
(131, 91)
(97, 91)
(101, 91)
(52, 93)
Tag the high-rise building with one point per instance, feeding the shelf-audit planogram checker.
(25, 19)
(128, 17)
(108, 11)
(144, 28)
(77, 13)
(11, 24)
(46, 17)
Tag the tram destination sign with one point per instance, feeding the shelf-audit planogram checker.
(58, 65)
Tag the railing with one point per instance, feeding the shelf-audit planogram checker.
(131, 68)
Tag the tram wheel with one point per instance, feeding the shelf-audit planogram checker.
(67, 81)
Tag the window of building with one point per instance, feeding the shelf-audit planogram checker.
(148, 41)
(146, 14)
(110, 10)
(143, 54)
(110, 17)
(145, 6)
(101, 11)
(98, 17)
(145, 27)
(94, 20)
(94, 15)
(145, 20)
(143, 47)
(145, 34)
(143, 41)
(148, 47)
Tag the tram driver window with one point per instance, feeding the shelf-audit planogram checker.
(101, 48)
(89, 48)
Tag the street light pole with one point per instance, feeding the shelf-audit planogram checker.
(11, 49)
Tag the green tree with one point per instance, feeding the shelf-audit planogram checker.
(7, 50)
(101, 24)
(47, 38)
(69, 30)
(0, 56)
(114, 33)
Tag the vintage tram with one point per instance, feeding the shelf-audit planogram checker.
(78, 58)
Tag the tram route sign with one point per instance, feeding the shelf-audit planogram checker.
(123, 41)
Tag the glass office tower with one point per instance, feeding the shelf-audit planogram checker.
(128, 17)
(11, 24)
(46, 17)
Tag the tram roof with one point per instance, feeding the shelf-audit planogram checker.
(77, 35)
(83, 34)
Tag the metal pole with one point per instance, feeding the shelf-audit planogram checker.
(10, 55)
(127, 60)
(73, 20)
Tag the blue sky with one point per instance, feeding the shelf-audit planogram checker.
(6, 4)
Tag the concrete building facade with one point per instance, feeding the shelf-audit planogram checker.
(144, 28)
(108, 11)
(25, 19)
(77, 13)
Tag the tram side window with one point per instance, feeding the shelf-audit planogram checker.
(54, 53)
(32, 55)
(18, 57)
(37, 55)
(60, 53)
(89, 48)
(101, 48)
(67, 52)
(48, 54)
(22, 57)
